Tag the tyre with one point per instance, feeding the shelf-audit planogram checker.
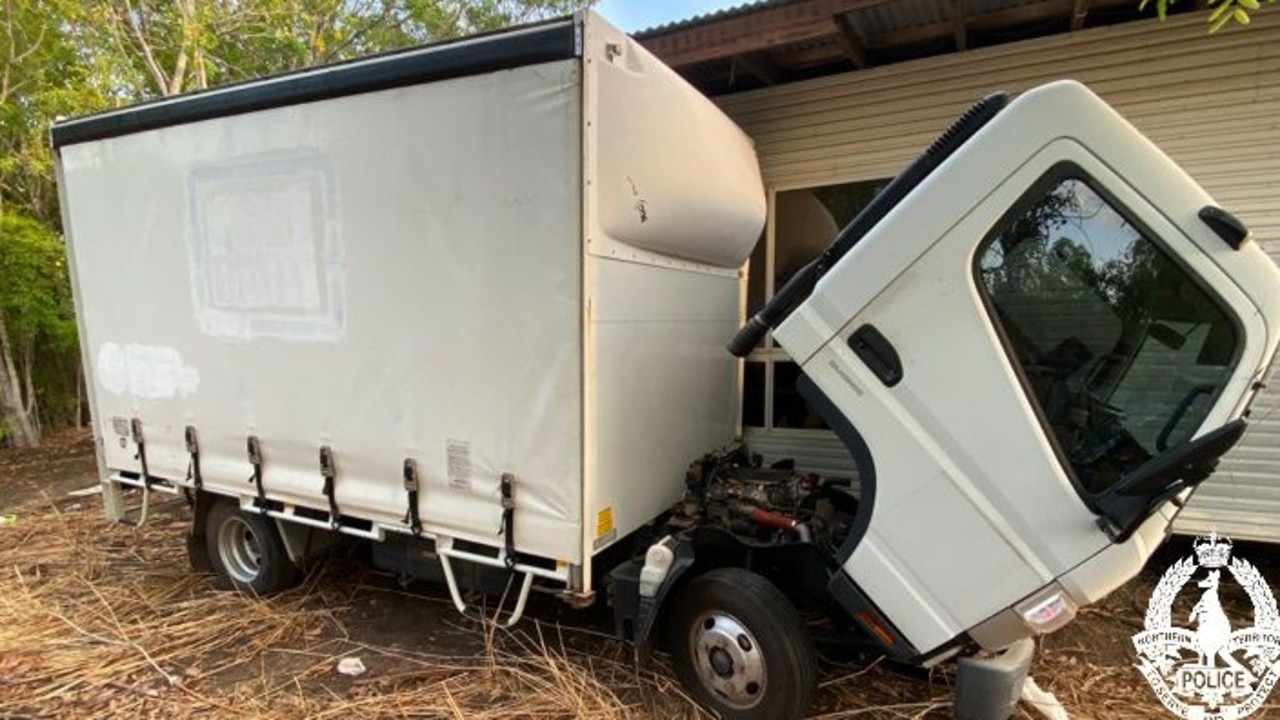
(740, 648)
(246, 551)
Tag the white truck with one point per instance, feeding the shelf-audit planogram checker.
(469, 302)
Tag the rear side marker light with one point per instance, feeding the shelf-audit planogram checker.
(869, 622)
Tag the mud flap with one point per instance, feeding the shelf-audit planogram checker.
(197, 543)
(989, 688)
(635, 617)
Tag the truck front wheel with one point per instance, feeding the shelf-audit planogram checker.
(245, 550)
(740, 647)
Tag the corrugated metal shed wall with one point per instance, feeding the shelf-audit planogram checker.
(1212, 103)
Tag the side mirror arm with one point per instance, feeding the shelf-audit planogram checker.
(1133, 499)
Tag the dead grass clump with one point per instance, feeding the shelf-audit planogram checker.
(108, 620)
(520, 675)
(99, 620)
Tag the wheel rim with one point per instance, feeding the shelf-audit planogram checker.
(240, 550)
(728, 660)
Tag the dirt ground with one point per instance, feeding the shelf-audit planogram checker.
(101, 621)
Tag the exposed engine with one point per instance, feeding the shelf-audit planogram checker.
(767, 505)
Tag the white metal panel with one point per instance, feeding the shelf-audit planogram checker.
(394, 274)
(664, 386)
(1215, 116)
(674, 203)
(674, 179)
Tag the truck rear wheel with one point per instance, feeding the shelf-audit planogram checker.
(740, 647)
(245, 550)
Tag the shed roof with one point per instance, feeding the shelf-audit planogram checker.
(768, 42)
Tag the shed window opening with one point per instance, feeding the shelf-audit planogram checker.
(805, 222)
(1123, 353)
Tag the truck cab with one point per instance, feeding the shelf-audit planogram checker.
(1034, 343)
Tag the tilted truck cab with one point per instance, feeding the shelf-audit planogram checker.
(1034, 343)
(491, 349)
(1039, 320)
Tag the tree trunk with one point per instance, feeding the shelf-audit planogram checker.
(30, 404)
(79, 418)
(28, 383)
(12, 410)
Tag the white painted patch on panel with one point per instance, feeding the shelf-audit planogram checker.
(459, 462)
(265, 249)
(151, 372)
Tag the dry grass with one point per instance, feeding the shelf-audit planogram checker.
(102, 621)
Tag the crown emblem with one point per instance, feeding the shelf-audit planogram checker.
(1213, 553)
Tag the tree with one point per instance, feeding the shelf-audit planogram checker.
(1225, 11)
(169, 46)
(35, 308)
(42, 76)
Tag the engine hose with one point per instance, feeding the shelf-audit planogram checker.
(775, 520)
(768, 518)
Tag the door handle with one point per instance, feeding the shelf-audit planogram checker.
(877, 353)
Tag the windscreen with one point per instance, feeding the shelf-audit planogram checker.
(1121, 350)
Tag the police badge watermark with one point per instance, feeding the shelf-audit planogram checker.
(1210, 672)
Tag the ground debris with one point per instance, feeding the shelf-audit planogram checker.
(352, 666)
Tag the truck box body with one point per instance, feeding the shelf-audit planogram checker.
(510, 254)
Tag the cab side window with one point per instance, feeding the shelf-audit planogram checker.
(1120, 350)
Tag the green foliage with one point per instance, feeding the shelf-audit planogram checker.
(163, 47)
(1223, 11)
(42, 76)
(35, 296)
(39, 324)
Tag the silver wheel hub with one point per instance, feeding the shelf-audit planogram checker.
(728, 660)
(240, 550)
